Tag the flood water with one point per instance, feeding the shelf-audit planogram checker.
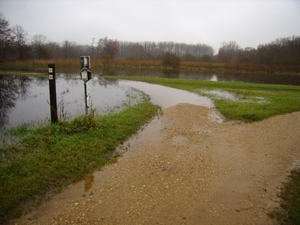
(287, 79)
(165, 96)
(25, 99)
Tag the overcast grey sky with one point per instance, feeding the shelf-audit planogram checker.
(248, 22)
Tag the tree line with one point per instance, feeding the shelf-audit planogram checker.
(282, 51)
(14, 45)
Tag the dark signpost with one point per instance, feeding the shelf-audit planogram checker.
(86, 75)
(52, 92)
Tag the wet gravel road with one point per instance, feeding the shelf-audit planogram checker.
(186, 168)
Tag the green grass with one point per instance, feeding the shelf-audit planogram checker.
(21, 130)
(289, 213)
(18, 73)
(254, 101)
(48, 158)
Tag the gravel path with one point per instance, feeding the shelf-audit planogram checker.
(186, 168)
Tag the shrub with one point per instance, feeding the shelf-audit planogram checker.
(171, 60)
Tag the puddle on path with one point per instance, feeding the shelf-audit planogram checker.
(88, 182)
(165, 96)
(179, 140)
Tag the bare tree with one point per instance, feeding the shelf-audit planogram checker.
(67, 49)
(228, 51)
(93, 49)
(5, 38)
(20, 41)
(108, 47)
(56, 49)
(39, 45)
(282, 51)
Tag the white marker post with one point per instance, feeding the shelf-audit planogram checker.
(86, 75)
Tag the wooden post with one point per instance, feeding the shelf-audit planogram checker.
(86, 102)
(52, 92)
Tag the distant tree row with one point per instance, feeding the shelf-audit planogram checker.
(153, 50)
(14, 45)
(283, 51)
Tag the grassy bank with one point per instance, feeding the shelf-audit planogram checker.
(48, 158)
(289, 213)
(252, 102)
(20, 73)
(72, 65)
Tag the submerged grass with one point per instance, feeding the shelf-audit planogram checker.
(48, 158)
(254, 101)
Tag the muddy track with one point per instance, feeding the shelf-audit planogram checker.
(186, 168)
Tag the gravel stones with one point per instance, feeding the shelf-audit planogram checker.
(194, 170)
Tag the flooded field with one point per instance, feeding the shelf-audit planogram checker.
(26, 99)
(227, 77)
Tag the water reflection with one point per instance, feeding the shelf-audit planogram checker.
(228, 77)
(26, 99)
(11, 89)
(171, 73)
(196, 75)
(88, 182)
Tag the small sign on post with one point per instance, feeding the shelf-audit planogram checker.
(86, 75)
(85, 62)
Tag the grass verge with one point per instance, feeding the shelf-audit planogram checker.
(289, 213)
(18, 73)
(253, 102)
(49, 158)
